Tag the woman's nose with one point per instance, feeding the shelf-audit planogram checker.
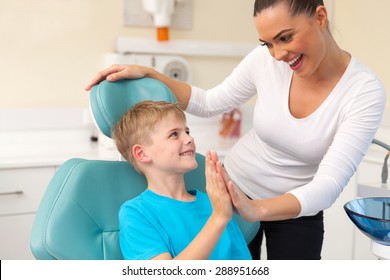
(279, 53)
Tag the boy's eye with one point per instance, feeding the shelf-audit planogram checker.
(173, 134)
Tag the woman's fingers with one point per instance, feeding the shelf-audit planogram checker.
(117, 72)
(244, 206)
(102, 75)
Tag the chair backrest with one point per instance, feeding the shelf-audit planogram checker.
(78, 215)
(110, 101)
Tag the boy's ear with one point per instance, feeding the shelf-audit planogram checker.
(139, 154)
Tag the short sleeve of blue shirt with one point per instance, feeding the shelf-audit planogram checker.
(139, 238)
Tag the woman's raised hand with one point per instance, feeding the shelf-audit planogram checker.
(119, 71)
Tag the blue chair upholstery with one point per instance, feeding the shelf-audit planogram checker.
(110, 101)
(78, 215)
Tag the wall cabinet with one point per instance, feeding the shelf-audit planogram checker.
(343, 240)
(369, 174)
(29, 157)
(21, 190)
(338, 242)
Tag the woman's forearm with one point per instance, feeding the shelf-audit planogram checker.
(277, 208)
(181, 90)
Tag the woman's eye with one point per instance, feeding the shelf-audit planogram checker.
(264, 44)
(285, 39)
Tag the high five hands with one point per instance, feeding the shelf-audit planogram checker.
(224, 195)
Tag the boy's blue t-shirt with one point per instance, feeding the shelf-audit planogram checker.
(151, 224)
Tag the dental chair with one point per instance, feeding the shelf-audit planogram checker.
(78, 216)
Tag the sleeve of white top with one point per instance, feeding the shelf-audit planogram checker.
(348, 148)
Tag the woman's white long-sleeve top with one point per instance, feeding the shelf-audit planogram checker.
(312, 158)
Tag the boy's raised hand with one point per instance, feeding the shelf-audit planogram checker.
(217, 190)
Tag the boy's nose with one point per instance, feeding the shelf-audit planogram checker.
(189, 139)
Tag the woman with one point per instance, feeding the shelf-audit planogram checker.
(316, 114)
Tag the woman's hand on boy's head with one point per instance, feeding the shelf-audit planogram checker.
(117, 72)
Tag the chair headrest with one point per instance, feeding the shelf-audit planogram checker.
(109, 101)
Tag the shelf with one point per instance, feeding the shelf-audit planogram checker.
(184, 47)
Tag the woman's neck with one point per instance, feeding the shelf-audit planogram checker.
(334, 63)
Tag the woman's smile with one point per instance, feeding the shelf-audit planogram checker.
(296, 62)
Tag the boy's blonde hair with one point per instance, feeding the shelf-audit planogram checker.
(137, 124)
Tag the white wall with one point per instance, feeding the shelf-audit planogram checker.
(362, 28)
(50, 49)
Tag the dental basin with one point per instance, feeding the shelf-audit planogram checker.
(372, 216)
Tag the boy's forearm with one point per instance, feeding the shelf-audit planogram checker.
(203, 244)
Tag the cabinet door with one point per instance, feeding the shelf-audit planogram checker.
(21, 191)
(15, 237)
(369, 173)
(338, 238)
(362, 246)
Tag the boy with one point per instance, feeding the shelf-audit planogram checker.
(166, 221)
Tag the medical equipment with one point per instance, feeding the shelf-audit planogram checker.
(161, 10)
